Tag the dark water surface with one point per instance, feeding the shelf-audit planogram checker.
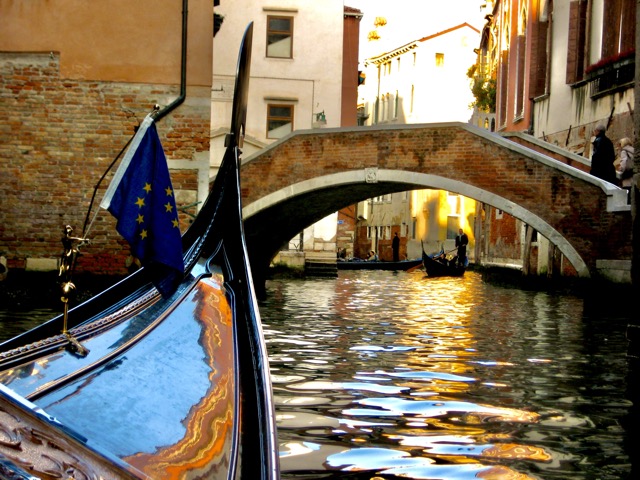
(395, 375)
(382, 375)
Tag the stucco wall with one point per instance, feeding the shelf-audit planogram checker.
(115, 40)
(311, 80)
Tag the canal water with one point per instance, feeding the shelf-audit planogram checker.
(396, 375)
(381, 375)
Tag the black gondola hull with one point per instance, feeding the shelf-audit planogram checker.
(436, 268)
(175, 387)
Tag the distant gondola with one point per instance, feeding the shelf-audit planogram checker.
(437, 266)
(149, 386)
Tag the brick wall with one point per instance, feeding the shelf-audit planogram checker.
(58, 137)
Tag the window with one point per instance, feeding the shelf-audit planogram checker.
(577, 41)
(396, 105)
(279, 37)
(618, 34)
(541, 46)
(521, 46)
(387, 106)
(439, 59)
(453, 225)
(279, 120)
(454, 201)
(413, 96)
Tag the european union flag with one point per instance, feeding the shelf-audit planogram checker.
(141, 197)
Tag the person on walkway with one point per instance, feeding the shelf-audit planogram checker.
(603, 156)
(461, 244)
(395, 246)
(624, 170)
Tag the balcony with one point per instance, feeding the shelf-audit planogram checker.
(611, 76)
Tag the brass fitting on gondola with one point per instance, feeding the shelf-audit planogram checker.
(68, 289)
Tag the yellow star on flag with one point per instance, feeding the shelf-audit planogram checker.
(175, 223)
(140, 218)
(147, 187)
(168, 191)
(168, 207)
(143, 234)
(140, 202)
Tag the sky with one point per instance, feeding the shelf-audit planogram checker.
(409, 20)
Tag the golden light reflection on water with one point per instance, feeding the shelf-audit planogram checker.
(421, 378)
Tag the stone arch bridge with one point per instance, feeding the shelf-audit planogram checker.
(309, 174)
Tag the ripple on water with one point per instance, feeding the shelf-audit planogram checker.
(401, 375)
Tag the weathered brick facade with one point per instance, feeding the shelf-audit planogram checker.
(57, 138)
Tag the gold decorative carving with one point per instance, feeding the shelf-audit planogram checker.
(40, 450)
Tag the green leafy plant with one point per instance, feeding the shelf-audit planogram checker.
(483, 90)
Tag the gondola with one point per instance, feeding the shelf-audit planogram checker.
(144, 385)
(401, 265)
(441, 268)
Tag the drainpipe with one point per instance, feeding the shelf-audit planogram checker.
(183, 68)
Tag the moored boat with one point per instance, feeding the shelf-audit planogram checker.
(136, 384)
(378, 264)
(437, 265)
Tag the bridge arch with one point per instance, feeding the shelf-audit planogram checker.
(308, 174)
(402, 180)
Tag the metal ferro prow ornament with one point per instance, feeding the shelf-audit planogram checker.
(68, 289)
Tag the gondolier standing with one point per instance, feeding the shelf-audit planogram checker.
(461, 243)
(395, 247)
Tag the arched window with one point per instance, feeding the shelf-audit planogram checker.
(521, 47)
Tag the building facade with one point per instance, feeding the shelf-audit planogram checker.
(76, 79)
(424, 81)
(559, 68)
(302, 77)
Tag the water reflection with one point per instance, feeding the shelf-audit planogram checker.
(399, 375)
(382, 375)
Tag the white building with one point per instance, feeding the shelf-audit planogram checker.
(423, 81)
(296, 78)
(296, 67)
